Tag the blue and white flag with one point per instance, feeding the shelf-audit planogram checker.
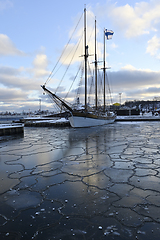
(108, 34)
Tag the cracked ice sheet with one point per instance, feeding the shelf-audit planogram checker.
(84, 183)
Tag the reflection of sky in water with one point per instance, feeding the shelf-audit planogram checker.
(21, 200)
(84, 183)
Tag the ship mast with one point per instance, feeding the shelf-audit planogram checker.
(95, 69)
(104, 75)
(85, 57)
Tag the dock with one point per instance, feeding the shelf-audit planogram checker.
(46, 122)
(9, 129)
(137, 118)
(17, 127)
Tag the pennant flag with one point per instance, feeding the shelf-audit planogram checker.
(108, 34)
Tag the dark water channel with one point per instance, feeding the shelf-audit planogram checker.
(97, 183)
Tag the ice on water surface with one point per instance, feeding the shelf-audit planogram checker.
(81, 182)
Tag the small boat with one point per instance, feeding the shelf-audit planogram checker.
(87, 116)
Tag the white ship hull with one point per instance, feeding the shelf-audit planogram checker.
(79, 121)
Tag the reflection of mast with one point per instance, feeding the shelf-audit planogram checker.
(97, 144)
(86, 146)
(95, 69)
(105, 147)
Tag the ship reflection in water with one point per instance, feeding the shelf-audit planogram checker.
(81, 183)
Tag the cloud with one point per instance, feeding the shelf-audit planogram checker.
(154, 46)
(17, 100)
(135, 83)
(10, 71)
(113, 45)
(11, 95)
(16, 78)
(137, 20)
(5, 4)
(19, 88)
(7, 47)
(131, 82)
(40, 64)
(128, 67)
(40, 61)
(144, 92)
(141, 94)
(19, 92)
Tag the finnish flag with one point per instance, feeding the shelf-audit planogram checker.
(108, 34)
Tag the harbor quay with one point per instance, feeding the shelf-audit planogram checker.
(8, 129)
(88, 183)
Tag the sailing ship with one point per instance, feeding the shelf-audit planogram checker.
(87, 116)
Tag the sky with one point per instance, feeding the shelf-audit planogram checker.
(33, 35)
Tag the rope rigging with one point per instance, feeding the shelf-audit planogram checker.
(69, 65)
(80, 83)
(50, 75)
(80, 67)
(109, 89)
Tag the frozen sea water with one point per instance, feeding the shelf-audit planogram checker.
(94, 183)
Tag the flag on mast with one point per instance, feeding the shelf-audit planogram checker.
(109, 34)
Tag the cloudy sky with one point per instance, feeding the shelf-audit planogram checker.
(34, 33)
